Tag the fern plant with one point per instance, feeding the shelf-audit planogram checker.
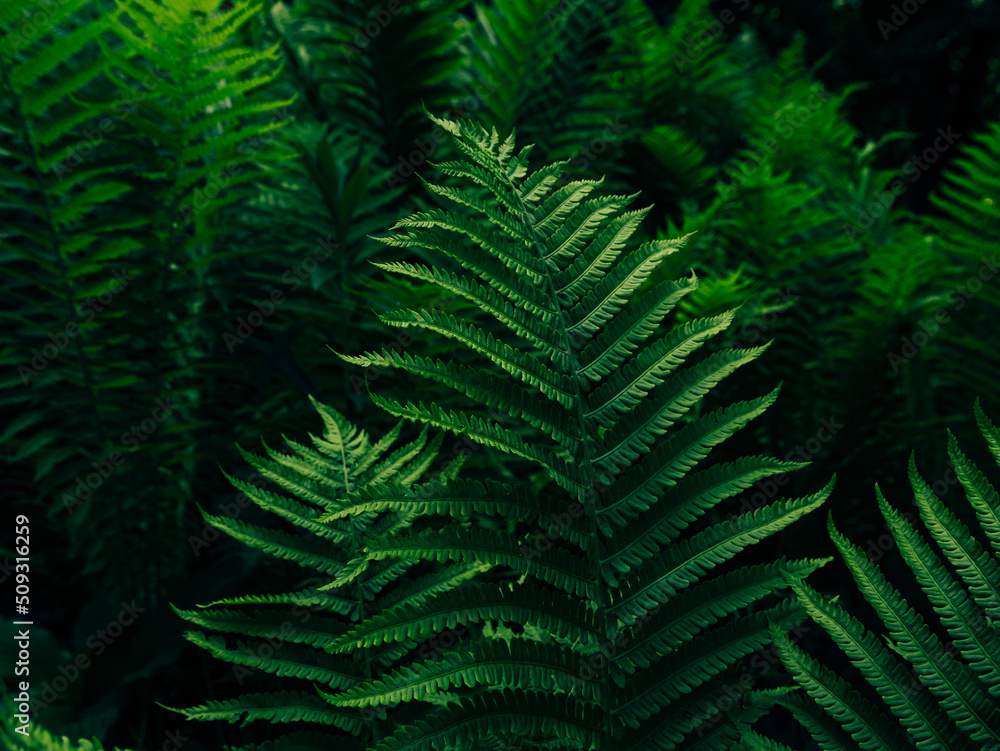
(15, 737)
(126, 134)
(941, 693)
(552, 64)
(588, 389)
(970, 201)
(361, 70)
(365, 66)
(285, 634)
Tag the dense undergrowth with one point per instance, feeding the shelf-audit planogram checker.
(194, 196)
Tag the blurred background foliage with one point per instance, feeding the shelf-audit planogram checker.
(837, 161)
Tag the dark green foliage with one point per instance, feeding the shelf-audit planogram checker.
(287, 634)
(940, 677)
(238, 164)
(969, 231)
(600, 388)
(112, 249)
(36, 738)
(598, 401)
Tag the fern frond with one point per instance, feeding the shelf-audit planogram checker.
(583, 381)
(942, 695)
(282, 706)
(295, 636)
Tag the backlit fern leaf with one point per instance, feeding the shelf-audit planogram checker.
(16, 736)
(289, 635)
(580, 380)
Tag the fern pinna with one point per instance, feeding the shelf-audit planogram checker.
(14, 736)
(941, 694)
(574, 649)
(286, 634)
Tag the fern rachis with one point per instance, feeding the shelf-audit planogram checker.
(587, 395)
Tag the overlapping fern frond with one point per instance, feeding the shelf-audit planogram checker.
(362, 69)
(683, 68)
(554, 68)
(626, 624)
(366, 66)
(939, 678)
(286, 634)
(970, 229)
(125, 134)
